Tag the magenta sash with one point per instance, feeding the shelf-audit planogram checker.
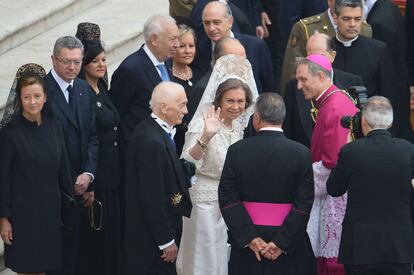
(269, 214)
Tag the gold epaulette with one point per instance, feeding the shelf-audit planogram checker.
(307, 21)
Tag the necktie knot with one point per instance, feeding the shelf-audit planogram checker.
(164, 72)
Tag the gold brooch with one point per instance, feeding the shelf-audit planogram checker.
(176, 199)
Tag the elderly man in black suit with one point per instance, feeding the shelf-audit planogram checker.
(156, 188)
(217, 21)
(298, 123)
(133, 81)
(376, 171)
(266, 194)
(70, 100)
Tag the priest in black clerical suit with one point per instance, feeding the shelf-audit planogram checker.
(156, 196)
(298, 123)
(266, 193)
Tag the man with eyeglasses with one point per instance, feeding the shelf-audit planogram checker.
(70, 100)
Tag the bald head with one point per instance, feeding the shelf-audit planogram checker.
(228, 45)
(217, 20)
(320, 43)
(169, 102)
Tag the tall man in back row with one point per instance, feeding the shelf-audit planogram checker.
(314, 75)
(265, 195)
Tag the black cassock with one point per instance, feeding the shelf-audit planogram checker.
(276, 177)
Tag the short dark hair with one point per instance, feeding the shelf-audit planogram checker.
(271, 108)
(339, 4)
(229, 84)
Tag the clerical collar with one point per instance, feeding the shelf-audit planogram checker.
(331, 19)
(151, 56)
(170, 130)
(347, 43)
(368, 4)
(320, 96)
(275, 129)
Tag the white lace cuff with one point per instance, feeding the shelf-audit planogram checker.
(320, 175)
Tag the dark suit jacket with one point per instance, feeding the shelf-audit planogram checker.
(376, 171)
(78, 129)
(154, 177)
(131, 88)
(257, 53)
(278, 171)
(298, 124)
(387, 25)
(409, 24)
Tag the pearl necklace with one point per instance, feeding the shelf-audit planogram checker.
(186, 78)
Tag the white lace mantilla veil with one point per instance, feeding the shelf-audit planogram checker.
(12, 105)
(226, 67)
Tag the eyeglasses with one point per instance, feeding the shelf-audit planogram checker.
(69, 62)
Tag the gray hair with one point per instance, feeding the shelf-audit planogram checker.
(378, 112)
(271, 108)
(156, 25)
(220, 46)
(228, 13)
(313, 67)
(69, 42)
(339, 4)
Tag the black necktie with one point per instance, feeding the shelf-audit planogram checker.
(71, 97)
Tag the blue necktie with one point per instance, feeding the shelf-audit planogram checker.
(164, 73)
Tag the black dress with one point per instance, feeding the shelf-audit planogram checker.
(183, 127)
(100, 249)
(33, 168)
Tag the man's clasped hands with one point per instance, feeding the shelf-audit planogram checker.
(268, 250)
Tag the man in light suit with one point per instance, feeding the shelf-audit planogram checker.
(156, 187)
(376, 171)
(71, 101)
(217, 21)
(134, 80)
(298, 123)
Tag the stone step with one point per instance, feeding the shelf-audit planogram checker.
(121, 23)
(24, 19)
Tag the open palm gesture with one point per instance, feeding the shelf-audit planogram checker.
(212, 122)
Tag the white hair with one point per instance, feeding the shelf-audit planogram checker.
(156, 24)
(378, 112)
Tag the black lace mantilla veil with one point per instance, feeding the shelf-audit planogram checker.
(12, 105)
(226, 67)
(90, 36)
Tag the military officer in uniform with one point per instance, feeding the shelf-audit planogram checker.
(300, 34)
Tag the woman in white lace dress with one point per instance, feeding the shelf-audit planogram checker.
(218, 122)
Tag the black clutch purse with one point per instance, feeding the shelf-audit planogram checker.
(189, 170)
(68, 210)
